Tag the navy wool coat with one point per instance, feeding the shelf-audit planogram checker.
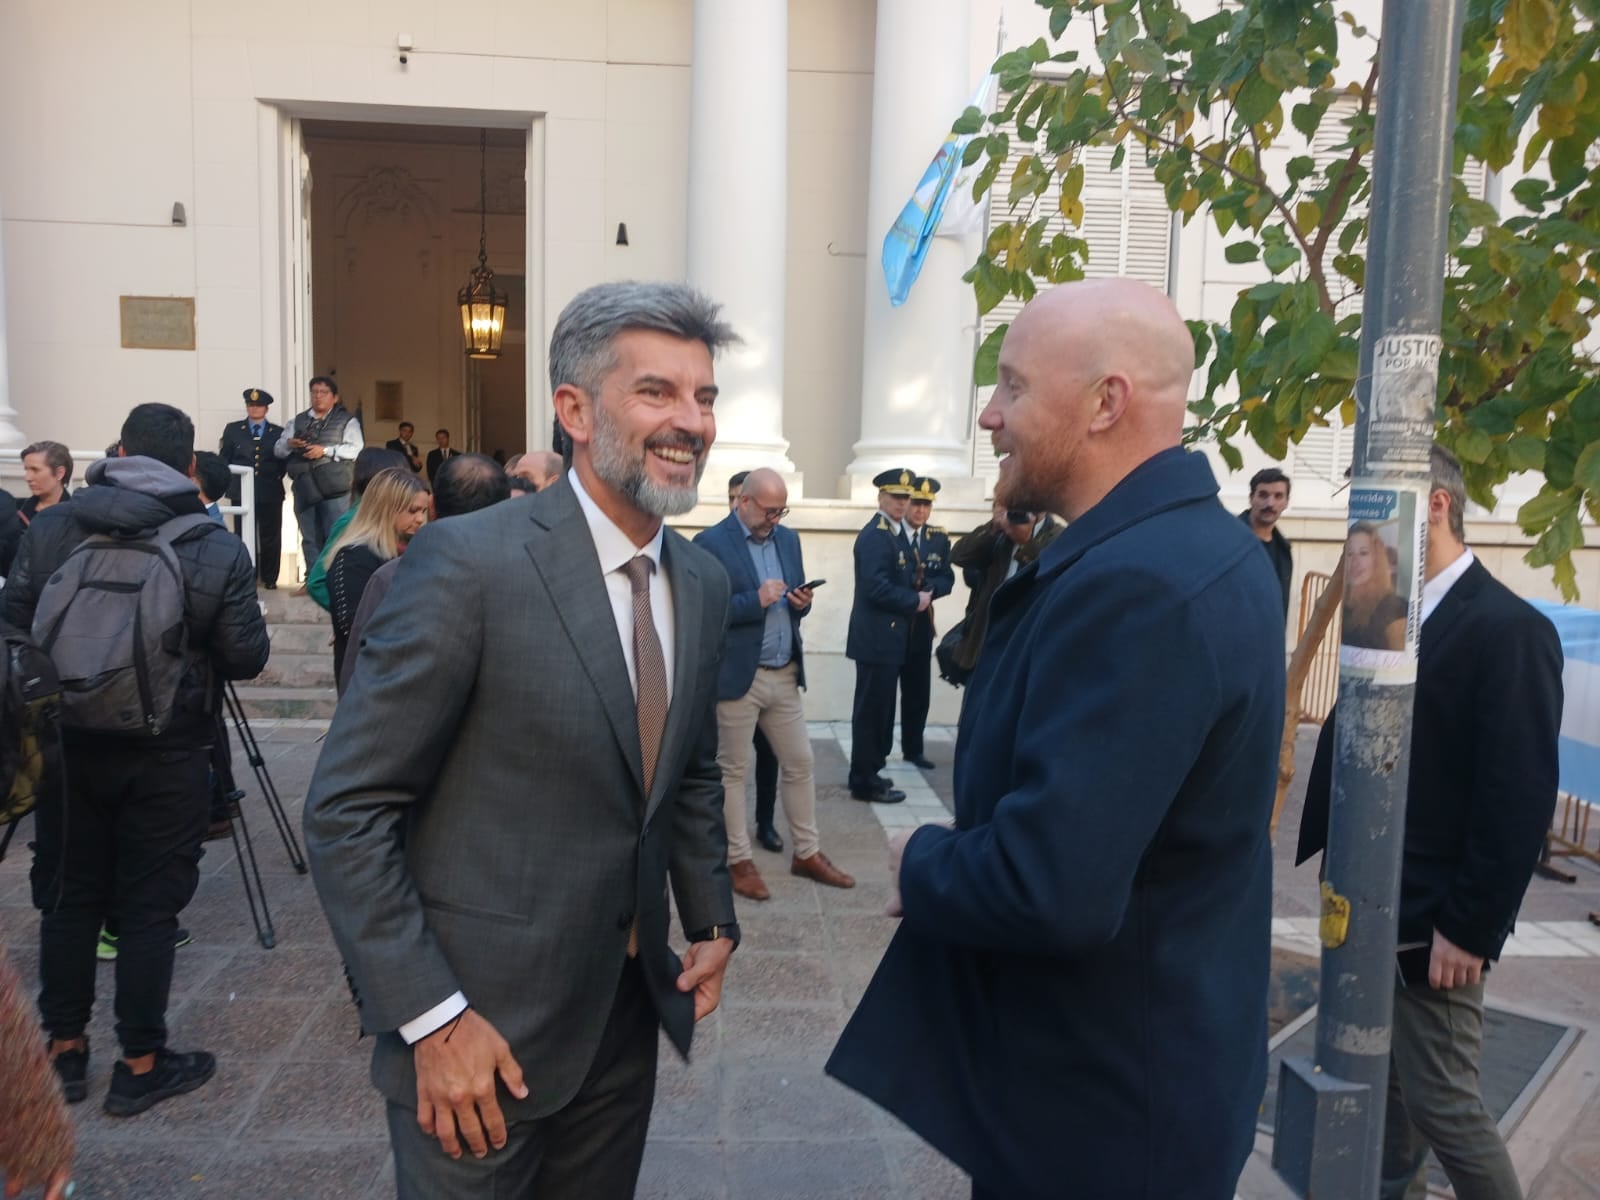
(1075, 1002)
(747, 620)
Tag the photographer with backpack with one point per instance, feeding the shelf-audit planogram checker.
(143, 603)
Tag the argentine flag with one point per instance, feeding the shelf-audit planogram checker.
(1579, 629)
(942, 204)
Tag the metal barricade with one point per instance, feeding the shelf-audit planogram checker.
(1321, 687)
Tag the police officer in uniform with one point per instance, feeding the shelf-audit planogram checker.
(249, 443)
(930, 551)
(886, 599)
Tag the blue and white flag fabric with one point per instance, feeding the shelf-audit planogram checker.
(1579, 630)
(942, 204)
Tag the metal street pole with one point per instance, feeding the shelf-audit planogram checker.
(1330, 1112)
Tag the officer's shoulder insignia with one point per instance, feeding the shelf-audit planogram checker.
(938, 529)
(883, 525)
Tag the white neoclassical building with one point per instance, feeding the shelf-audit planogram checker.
(200, 196)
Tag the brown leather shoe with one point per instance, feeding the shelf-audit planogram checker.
(747, 881)
(819, 868)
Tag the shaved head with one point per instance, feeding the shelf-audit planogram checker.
(1094, 378)
(763, 498)
(539, 467)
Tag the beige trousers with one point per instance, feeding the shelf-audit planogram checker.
(773, 702)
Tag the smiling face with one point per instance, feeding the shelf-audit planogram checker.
(1038, 416)
(647, 433)
(1366, 563)
(413, 516)
(765, 505)
(917, 513)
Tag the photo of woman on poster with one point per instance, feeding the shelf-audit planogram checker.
(1374, 613)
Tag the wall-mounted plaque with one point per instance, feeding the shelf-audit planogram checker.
(157, 322)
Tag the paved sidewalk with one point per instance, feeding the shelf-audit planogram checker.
(291, 1113)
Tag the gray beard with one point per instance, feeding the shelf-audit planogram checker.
(611, 462)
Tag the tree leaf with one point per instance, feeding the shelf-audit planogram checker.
(986, 366)
(1242, 252)
(1306, 118)
(1544, 508)
(1528, 31)
(970, 121)
(1473, 445)
(1587, 473)
(1255, 99)
(1060, 18)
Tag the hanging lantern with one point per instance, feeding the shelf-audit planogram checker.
(483, 306)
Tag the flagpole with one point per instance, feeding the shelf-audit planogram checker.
(977, 321)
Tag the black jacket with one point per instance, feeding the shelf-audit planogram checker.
(129, 496)
(10, 531)
(1483, 776)
(1280, 551)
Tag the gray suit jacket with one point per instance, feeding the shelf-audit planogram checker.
(477, 819)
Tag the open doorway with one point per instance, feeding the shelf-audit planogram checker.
(393, 214)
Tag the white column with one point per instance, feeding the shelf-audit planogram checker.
(11, 438)
(738, 193)
(916, 374)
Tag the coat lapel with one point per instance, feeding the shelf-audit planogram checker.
(1436, 629)
(688, 605)
(733, 530)
(563, 554)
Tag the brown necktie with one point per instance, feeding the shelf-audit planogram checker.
(650, 668)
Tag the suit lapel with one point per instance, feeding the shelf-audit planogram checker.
(1443, 619)
(566, 561)
(688, 605)
(733, 529)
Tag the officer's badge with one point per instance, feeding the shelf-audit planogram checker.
(902, 560)
(883, 525)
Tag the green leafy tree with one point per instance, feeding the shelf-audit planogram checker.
(1206, 101)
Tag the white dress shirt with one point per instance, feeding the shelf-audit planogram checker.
(1436, 588)
(614, 549)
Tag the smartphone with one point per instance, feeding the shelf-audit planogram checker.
(815, 583)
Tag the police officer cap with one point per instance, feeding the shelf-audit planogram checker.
(925, 489)
(897, 481)
(257, 396)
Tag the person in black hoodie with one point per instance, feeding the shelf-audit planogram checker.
(126, 845)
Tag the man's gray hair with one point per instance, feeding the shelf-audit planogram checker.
(1446, 471)
(580, 348)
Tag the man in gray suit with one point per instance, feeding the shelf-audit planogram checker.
(496, 876)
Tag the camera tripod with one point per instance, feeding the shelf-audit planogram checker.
(255, 895)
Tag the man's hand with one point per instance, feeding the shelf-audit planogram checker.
(897, 850)
(923, 600)
(703, 965)
(314, 452)
(456, 1068)
(771, 592)
(800, 599)
(1450, 966)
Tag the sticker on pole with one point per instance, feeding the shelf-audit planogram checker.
(1405, 377)
(1382, 584)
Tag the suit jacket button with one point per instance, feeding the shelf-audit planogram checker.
(624, 922)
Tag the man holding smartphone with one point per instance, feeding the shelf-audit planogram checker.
(762, 675)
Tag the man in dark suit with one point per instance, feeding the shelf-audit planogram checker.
(763, 673)
(404, 444)
(930, 551)
(496, 879)
(1479, 797)
(443, 451)
(249, 443)
(886, 598)
(1074, 1003)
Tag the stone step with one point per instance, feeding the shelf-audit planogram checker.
(297, 670)
(282, 608)
(302, 639)
(304, 703)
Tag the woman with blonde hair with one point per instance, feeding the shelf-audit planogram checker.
(1374, 615)
(393, 508)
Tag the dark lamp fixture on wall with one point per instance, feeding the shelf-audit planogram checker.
(483, 306)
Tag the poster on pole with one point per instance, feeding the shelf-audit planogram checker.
(1405, 377)
(1383, 583)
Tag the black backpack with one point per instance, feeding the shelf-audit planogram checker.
(30, 729)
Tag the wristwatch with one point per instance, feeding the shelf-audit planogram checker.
(712, 933)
